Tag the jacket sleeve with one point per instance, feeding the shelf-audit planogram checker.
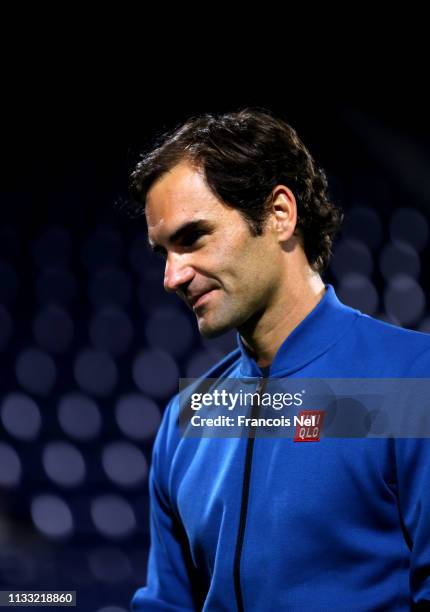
(168, 585)
(413, 478)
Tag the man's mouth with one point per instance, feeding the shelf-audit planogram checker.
(201, 299)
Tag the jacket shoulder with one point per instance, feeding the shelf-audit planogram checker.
(179, 405)
(406, 348)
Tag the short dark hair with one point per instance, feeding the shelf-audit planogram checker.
(244, 155)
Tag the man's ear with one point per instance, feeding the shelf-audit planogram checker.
(283, 212)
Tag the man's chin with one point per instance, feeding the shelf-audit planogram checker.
(212, 331)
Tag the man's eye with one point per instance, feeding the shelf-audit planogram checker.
(191, 238)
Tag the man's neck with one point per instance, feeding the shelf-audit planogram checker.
(263, 338)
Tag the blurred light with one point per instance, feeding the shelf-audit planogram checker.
(64, 464)
(52, 247)
(113, 516)
(155, 373)
(20, 416)
(137, 416)
(169, 330)
(53, 329)
(8, 283)
(409, 225)
(111, 330)
(124, 464)
(358, 292)
(110, 286)
(16, 566)
(103, 248)
(152, 295)
(35, 371)
(96, 372)
(201, 361)
(79, 416)
(52, 516)
(225, 343)
(404, 299)
(363, 224)
(399, 258)
(425, 326)
(6, 327)
(56, 285)
(351, 257)
(10, 466)
(109, 564)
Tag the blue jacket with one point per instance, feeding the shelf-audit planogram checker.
(341, 524)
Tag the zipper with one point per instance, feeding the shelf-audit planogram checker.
(244, 503)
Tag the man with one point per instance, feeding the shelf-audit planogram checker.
(238, 209)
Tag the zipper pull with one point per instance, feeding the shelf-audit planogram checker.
(261, 383)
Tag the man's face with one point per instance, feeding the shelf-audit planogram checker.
(213, 254)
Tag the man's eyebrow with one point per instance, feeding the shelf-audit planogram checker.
(185, 228)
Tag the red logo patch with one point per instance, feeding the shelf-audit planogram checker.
(308, 425)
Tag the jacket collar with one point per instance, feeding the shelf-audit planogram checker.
(313, 336)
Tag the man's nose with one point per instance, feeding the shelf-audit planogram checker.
(177, 272)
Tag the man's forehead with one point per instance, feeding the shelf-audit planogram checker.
(165, 219)
(178, 197)
(182, 184)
